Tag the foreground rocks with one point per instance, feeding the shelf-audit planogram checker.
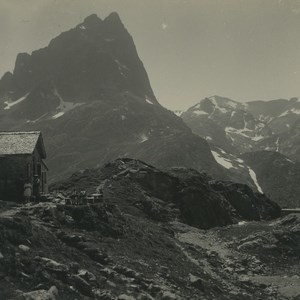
(147, 259)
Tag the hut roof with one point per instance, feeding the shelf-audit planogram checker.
(17, 142)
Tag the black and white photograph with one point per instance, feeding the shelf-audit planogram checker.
(150, 150)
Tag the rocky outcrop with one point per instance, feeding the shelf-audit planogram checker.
(250, 205)
(178, 193)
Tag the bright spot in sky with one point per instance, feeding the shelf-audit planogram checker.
(164, 26)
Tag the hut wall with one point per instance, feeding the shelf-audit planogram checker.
(40, 169)
(14, 170)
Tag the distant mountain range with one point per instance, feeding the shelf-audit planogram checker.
(250, 126)
(262, 138)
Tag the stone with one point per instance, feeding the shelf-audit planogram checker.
(82, 285)
(102, 294)
(24, 248)
(167, 295)
(86, 275)
(196, 282)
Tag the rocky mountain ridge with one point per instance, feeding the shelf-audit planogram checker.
(193, 197)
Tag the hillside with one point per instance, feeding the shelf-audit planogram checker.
(137, 244)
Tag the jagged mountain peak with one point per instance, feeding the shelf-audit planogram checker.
(92, 20)
(112, 23)
(97, 59)
(216, 104)
(113, 18)
(226, 102)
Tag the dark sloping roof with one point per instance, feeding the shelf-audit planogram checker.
(12, 143)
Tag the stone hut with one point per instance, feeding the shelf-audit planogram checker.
(22, 156)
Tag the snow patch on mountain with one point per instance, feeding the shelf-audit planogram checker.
(277, 144)
(59, 114)
(290, 111)
(217, 106)
(178, 113)
(122, 68)
(221, 160)
(284, 113)
(148, 100)
(253, 176)
(243, 132)
(199, 112)
(63, 106)
(13, 103)
(143, 138)
(295, 111)
(229, 103)
(225, 104)
(287, 159)
(38, 119)
(257, 138)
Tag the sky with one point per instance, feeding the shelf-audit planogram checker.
(241, 49)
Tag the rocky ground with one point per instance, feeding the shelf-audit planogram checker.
(135, 245)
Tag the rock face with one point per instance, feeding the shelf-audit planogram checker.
(250, 205)
(180, 193)
(278, 176)
(89, 94)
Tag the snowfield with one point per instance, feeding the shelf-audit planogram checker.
(222, 161)
(11, 104)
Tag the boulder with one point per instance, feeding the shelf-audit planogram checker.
(51, 294)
